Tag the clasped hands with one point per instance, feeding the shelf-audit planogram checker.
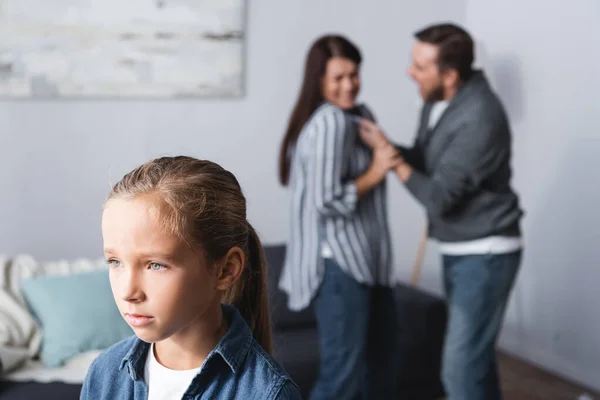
(385, 155)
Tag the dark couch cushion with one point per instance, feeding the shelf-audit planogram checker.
(282, 317)
(421, 327)
(297, 351)
(37, 390)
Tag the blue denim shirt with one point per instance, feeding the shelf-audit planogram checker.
(237, 368)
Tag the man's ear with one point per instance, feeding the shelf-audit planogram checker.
(230, 268)
(450, 78)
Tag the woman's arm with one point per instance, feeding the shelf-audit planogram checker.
(332, 196)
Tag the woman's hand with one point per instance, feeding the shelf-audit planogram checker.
(385, 158)
(371, 135)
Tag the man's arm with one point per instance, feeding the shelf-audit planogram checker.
(412, 155)
(474, 154)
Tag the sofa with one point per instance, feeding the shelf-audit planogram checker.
(421, 324)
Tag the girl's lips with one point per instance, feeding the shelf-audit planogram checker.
(138, 320)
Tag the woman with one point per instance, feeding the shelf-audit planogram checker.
(339, 252)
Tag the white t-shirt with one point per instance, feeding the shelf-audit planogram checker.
(436, 112)
(164, 383)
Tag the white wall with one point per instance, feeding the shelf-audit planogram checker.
(58, 158)
(544, 59)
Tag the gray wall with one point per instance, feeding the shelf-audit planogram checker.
(544, 60)
(58, 159)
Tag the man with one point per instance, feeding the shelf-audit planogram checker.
(459, 170)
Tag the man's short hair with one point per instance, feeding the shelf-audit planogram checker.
(455, 47)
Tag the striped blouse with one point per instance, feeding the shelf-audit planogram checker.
(325, 208)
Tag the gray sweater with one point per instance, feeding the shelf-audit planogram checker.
(461, 167)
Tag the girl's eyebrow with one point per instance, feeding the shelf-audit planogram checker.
(148, 255)
(159, 255)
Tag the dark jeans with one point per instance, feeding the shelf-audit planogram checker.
(478, 288)
(357, 334)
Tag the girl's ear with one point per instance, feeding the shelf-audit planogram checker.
(232, 266)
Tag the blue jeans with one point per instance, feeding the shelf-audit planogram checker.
(357, 335)
(477, 288)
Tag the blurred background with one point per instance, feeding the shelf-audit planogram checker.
(58, 158)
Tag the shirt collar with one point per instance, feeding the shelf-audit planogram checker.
(232, 348)
(135, 358)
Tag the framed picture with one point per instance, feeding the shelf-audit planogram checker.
(121, 48)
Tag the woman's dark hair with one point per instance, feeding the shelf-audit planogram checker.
(455, 48)
(310, 97)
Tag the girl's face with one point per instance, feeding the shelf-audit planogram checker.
(162, 287)
(340, 84)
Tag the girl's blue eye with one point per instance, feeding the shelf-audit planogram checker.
(156, 266)
(114, 263)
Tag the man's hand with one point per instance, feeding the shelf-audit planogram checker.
(385, 158)
(371, 135)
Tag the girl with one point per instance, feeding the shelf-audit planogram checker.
(188, 275)
(339, 251)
